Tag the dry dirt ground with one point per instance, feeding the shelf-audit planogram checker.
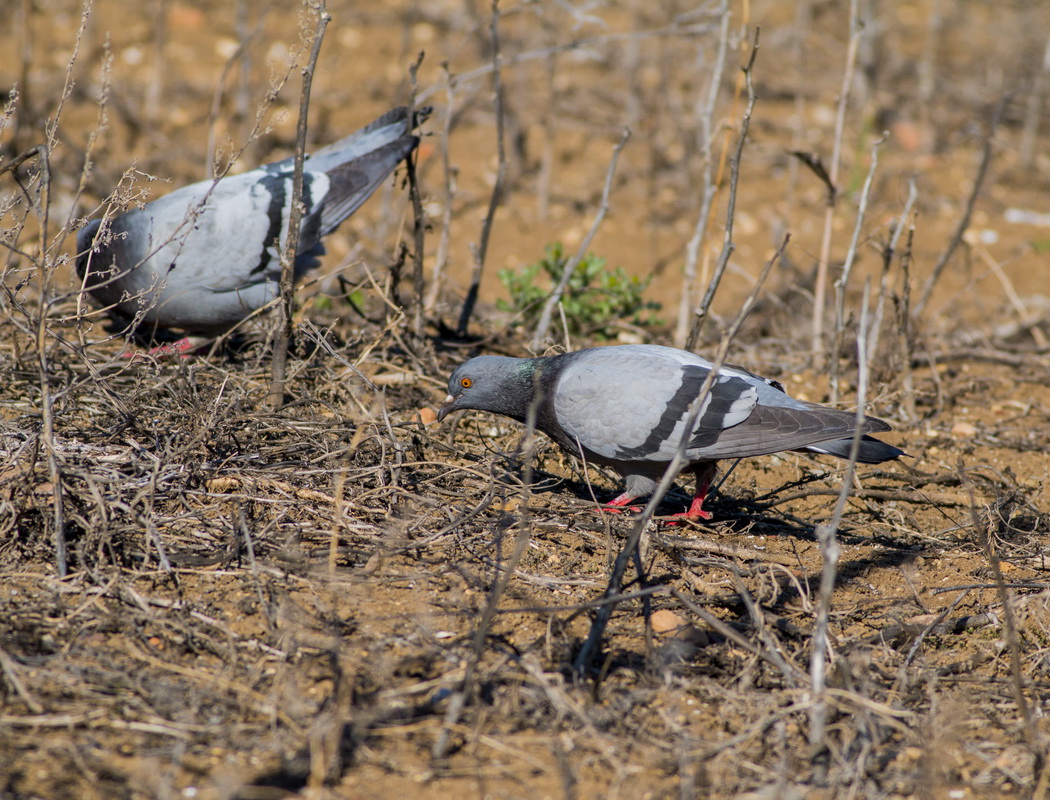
(334, 599)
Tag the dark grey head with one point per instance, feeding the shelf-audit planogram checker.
(492, 383)
(100, 260)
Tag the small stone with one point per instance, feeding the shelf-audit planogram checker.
(427, 415)
(963, 430)
(665, 620)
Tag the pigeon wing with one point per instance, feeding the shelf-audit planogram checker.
(631, 403)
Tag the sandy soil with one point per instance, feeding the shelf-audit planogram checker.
(327, 601)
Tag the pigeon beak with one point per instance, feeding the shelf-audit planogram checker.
(450, 405)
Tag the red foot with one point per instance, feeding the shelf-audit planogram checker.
(704, 474)
(696, 508)
(611, 509)
(183, 348)
(692, 515)
(620, 504)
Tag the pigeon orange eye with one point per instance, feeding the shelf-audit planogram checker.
(466, 383)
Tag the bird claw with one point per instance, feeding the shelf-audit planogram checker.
(183, 348)
(619, 504)
(615, 508)
(688, 516)
(696, 511)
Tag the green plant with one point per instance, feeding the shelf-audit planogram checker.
(595, 298)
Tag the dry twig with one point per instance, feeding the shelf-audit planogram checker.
(601, 620)
(554, 298)
(964, 220)
(827, 536)
(831, 181)
(497, 189)
(734, 178)
(291, 244)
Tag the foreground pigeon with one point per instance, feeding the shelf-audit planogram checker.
(626, 407)
(204, 257)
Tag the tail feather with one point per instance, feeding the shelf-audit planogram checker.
(385, 130)
(872, 450)
(354, 182)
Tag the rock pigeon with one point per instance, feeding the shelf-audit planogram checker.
(204, 257)
(626, 407)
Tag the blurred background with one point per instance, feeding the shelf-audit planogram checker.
(160, 92)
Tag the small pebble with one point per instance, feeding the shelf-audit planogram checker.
(665, 620)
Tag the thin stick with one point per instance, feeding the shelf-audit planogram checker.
(847, 269)
(675, 31)
(570, 267)
(25, 120)
(1034, 110)
(497, 190)
(46, 270)
(441, 259)
(159, 66)
(830, 549)
(468, 687)
(888, 254)
(543, 179)
(419, 219)
(734, 178)
(612, 591)
(820, 289)
(703, 220)
(907, 344)
(46, 398)
(278, 374)
(964, 220)
(1013, 643)
(800, 31)
(241, 55)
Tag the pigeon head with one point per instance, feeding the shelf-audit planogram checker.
(100, 260)
(492, 383)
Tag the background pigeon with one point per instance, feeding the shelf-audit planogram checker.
(626, 406)
(205, 256)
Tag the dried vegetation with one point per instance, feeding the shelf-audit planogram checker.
(206, 595)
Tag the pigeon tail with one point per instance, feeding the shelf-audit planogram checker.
(354, 182)
(380, 132)
(872, 450)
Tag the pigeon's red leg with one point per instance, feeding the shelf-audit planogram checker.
(183, 348)
(619, 503)
(705, 474)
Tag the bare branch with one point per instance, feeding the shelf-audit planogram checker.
(710, 186)
(601, 620)
(734, 179)
(964, 220)
(501, 177)
(291, 245)
(847, 269)
(830, 550)
(832, 181)
(570, 267)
